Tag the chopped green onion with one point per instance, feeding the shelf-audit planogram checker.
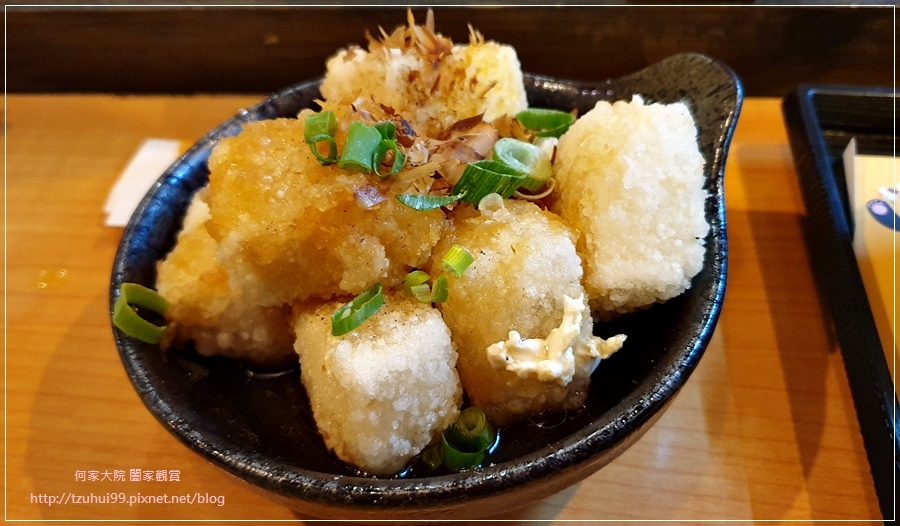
(386, 129)
(438, 293)
(546, 123)
(368, 146)
(457, 260)
(144, 297)
(416, 283)
(353, 314)
(318, 128)
(129, 322)
(471, 432)
(320, 123)
(132, 324)
(332, 149)
(416, 277)
(487, 177)
(422, 292)
(457, 460)
(464, 444)
(433, 456)
(381, 151)
(427, 202)
(359, 150)
(526, 158)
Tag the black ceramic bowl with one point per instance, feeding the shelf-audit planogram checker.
(259, 428)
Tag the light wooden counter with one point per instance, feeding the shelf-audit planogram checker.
(765, 429)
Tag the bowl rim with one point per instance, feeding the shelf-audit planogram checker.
(363, 492)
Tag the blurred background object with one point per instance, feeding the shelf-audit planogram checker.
(172, 48)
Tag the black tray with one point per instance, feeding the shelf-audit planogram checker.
(821, 120)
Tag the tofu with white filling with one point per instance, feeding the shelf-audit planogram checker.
(518, 314)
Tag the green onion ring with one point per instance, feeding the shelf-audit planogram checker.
(457, 460)
(436, 293)
(128, 320)
(471, 432)
(416, 284)
(427, 202)
(422, 292)
(457, 260)
(320, 127)
(319, 124)
(441, 290)
(546, 122)
(353, 314)
(359, 149)
(332, 148)
(386, 129)
(433, 456)
(381, 151)
(464, 444)
(525, 158)
(487, 177)
(416, 277)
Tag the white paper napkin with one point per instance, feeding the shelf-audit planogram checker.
(149, 162)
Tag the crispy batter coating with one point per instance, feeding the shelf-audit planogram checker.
(630, 182)
(525, 265)
(206, 310)
(289, 229)
(382, 392)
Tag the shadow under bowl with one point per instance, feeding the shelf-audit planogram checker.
(259, 427)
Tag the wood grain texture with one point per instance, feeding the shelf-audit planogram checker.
(261, 49)
(829, 225)
(765, 429)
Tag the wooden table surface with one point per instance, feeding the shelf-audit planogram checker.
(765, 429)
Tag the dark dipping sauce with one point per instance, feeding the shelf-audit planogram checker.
(269, 411)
